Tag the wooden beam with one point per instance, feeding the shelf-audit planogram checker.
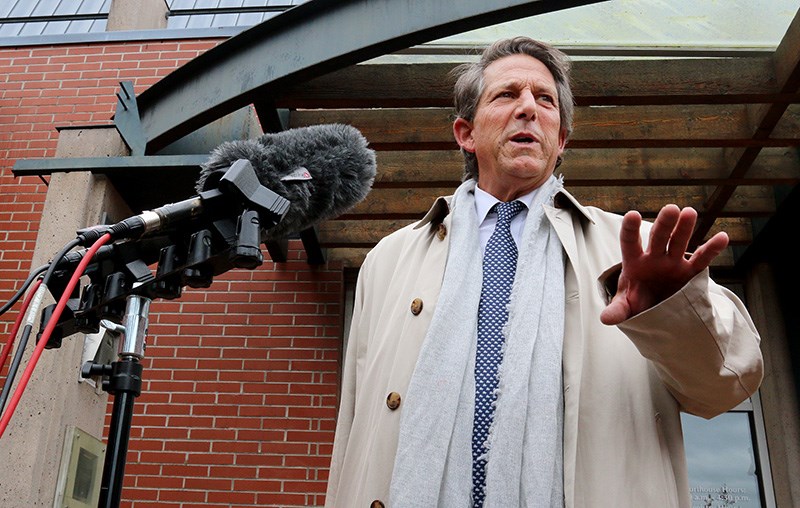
(786, 61)
(674, 166)
(358, 233)
(594, 82)
(601, 166)
(412, 203)
(345, 232)
(748, 201)
(349, 257)
(595, 127)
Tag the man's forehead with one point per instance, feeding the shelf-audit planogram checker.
(519, 68)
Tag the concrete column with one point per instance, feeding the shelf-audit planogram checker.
(778, 395)
(54, 398)
(137, 15)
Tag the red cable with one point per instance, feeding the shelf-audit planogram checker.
(13, 335)
(51, 325)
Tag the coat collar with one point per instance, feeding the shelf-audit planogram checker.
(563, 200)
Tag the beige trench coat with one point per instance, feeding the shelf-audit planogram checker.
(624, 386)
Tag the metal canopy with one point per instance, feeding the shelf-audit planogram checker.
(307, 41)
(719, 133)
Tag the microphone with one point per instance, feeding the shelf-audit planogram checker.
(322, 170)
(302, 176)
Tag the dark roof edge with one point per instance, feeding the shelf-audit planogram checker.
(121, 36)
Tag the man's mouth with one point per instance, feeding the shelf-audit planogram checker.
(523, 138)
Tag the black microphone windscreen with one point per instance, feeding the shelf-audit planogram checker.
(323, 170)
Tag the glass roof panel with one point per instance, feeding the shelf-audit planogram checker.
(732, 24)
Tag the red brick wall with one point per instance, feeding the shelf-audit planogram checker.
(238, 404)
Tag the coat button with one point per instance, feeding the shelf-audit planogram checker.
(441, 231)
(376, 504)
(416, 306)
(393, 400)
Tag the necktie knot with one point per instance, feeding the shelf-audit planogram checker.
(507, 211)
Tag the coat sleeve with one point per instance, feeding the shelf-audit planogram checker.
(703, 344)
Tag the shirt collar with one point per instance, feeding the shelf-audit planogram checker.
(441, 208)
(485, 201)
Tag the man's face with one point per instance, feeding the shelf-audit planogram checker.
(516, 134)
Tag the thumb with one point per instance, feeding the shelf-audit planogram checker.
(615, 312)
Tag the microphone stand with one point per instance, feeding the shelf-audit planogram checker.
(219, 241)
(123, 380)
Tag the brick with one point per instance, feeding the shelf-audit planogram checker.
(134, 469)
(211, 458)
(234, 472)
(188, 446)
(308, 461)
(181, 495)
(235, 447)
(309, 436)
(164, 433)
(208, 484)
(146, 496)
(159, 482)
(167, 409)
(260, 435)
(310, 486)
(258, 460)
(262, 411)
(194, 422)
(242, 376)
(283, 473)
(213, 434)
(186, 471)
(163, 457)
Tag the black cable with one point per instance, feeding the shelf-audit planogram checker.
(21, 291)
(12, 370)
(50, 267)
(58, 257)
(26, 331)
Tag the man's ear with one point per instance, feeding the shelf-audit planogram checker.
(462, 131)
(562, 140)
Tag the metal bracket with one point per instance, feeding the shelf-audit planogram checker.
(127, 121)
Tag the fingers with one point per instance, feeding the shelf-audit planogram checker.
(705, 254)
(663, 228)
(679, 242)
(630, 241)
(672, 231)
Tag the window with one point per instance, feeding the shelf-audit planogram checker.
(727, 459)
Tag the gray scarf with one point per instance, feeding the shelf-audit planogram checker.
(433, 466)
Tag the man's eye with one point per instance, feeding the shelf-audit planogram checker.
(547, 98)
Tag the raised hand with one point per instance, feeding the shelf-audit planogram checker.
(651, 276)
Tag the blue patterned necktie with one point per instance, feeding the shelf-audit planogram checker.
(499, 266)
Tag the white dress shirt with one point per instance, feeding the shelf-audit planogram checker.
(486, 220)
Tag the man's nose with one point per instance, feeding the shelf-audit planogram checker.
(526, 106)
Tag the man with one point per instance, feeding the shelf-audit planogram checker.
(578, 402)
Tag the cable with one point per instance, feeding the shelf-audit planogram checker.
(59, 256)
(13, 335)
(52, 323)
(12, 371)
(21, 291)
(37, 295)
(50, 267)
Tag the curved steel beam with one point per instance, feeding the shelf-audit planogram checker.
(307, 41)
